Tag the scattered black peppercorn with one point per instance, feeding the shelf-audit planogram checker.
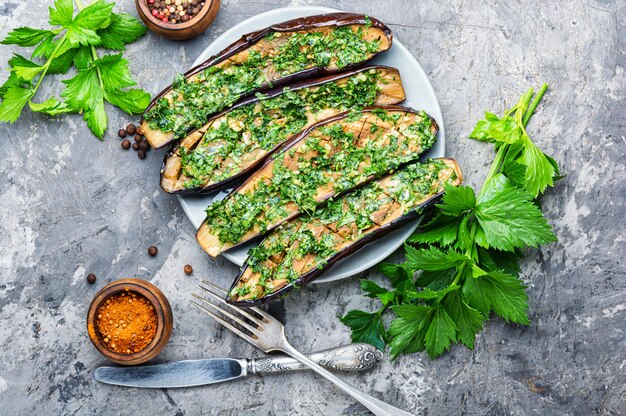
(131, 129)
(143, 145)
(126, 144)
(138, 139)
(152, 250)
(91, 278)
(139, 131)
(135, 146)
(141, 154)
(188, 269)
(121, 133)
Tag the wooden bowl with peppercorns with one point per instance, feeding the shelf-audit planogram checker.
(129, 321)
(177, 19)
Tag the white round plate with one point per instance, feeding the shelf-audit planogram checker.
(419, 95)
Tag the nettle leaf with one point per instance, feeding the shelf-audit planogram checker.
(493, 260)
(114, 72)
(96, 118)
(12, 81)
(24, 68)
(442, 229)
(132, 101)
(428, 294)
(510, 220)
(13, 101)
(83, 92)
(516, 172)
(79, 35)
(371, 288)
(457, 199)
(82, 58)
(95, 16)
(540, 171)
(481, 130)
(62, 12)
(433, 258)
(51, 107)
(45, 48)
(26, 36)
(500, 292)
(441, 332)
(122, 30)
(435, 280)
(366, 327)
(62, 63)
(467, 319)
(408, 330)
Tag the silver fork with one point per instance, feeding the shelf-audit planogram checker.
(263, 331)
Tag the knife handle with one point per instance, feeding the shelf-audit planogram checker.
(351, 357)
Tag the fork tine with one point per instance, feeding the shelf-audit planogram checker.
(250, 338)
(225, 293)
(254, 330)
(231, 307)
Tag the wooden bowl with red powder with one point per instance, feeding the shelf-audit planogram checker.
(129, 321)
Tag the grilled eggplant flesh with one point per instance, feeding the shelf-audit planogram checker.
(302, 249)
(237, 140)
(296, 49)
(328, 158)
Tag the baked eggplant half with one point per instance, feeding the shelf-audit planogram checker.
(302, 249)
(324, 160)
(296, 49)
(237, 140)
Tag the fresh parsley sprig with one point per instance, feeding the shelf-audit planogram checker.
(72, 42)
(468, 255)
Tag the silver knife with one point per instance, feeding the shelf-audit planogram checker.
(189, 373)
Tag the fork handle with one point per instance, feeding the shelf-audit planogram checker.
(377, 407)
(351, 357)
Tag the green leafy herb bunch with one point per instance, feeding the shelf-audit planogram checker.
(464, 263)
(73, 41)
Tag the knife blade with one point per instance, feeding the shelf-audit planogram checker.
(190, 373)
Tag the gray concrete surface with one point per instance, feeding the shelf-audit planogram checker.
(71, 205)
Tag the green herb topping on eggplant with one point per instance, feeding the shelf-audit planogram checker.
(239, 139)
(324, 160)
(298, 48)
(301, 250)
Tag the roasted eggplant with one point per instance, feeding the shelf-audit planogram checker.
(326, 159)
(296, 49)
(237, 140)
(302, 249)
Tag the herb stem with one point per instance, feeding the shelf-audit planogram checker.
(534, 104)
(47, 64)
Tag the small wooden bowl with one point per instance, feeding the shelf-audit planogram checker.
(164, 320)
(179, 31)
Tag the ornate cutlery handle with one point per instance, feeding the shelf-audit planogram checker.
(351, 357)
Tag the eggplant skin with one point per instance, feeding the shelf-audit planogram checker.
(391, 85)
(353, 248)
(207, 240)
(160, 139)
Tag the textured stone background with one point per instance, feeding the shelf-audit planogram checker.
(71, 205)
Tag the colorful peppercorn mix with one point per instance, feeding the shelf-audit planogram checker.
(175, 11)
